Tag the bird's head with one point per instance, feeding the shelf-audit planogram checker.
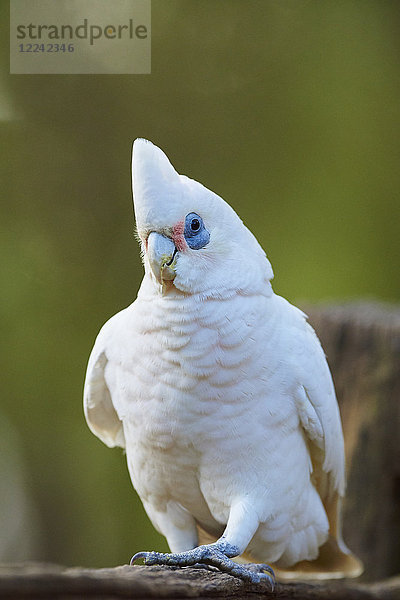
(191, 239)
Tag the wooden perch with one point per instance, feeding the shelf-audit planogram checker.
(139, 582)
(362, 343)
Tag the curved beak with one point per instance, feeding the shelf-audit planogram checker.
(162, 255)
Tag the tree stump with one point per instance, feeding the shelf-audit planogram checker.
(362, 343)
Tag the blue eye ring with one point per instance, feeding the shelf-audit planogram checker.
(196, 235)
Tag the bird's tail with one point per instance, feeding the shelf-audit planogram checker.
(334, 561)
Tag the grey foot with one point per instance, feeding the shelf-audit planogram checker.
(216, 555)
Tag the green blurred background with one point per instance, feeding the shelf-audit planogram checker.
(289, 109)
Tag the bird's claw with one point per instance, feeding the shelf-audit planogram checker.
(259, 568)
(138, 555)
(214, 556)
(263, 571)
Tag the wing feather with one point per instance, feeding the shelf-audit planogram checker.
(99, 409)
(319, 416)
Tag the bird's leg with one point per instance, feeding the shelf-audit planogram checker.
(242, 524)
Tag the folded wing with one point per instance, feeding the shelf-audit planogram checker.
(100, 413)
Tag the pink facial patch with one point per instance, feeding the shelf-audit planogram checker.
(178, 236)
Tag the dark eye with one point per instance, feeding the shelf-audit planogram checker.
(195, 225)
(196, 235)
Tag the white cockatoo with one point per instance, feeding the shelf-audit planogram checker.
(220, 394)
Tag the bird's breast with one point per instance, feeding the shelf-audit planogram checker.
(190, 369)
(200, 383)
